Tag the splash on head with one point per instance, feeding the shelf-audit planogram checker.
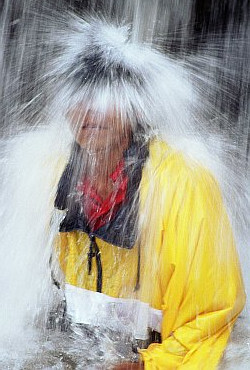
(100, 65)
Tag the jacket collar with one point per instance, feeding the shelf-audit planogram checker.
(122, 229)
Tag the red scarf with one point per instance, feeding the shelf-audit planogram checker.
(100, 211)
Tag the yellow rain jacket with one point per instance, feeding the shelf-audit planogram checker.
(189, 266)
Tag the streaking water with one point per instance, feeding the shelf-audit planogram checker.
(218, 67)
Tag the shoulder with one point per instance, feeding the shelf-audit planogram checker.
(40, 143)
(35, 160)
(37, 149)
(166, 159)
(176, 170)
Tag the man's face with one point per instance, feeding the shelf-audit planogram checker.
(97, 131)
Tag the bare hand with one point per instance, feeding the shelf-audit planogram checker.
(129, 366)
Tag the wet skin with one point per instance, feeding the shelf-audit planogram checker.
(129, 366)
(104, 137)
(98, 131)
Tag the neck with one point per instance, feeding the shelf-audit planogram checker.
(102, 163)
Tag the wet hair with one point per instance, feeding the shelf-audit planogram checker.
(93, 68)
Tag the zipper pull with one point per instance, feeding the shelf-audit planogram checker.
(94, 252)
(91, 253)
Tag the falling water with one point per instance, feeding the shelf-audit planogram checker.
(207, 43)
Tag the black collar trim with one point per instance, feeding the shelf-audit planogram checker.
(122, 229)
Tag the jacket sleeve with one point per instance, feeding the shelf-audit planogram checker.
(205, 293)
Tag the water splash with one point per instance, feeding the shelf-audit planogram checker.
(198, 95)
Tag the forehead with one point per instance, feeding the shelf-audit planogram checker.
(83, 109)
(103, 100)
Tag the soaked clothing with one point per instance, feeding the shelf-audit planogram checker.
(126, 216)
(188, 266)
(98, 211)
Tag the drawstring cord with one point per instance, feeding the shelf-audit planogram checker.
(95, 252)
(137, 285)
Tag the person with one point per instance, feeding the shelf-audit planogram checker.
(143, 224)
(144, 243)
(188, 262)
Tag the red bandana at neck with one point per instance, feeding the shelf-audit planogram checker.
(100, 211)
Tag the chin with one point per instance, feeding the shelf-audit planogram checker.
(92, 148)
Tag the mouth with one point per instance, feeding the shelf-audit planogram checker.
(93, 127)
